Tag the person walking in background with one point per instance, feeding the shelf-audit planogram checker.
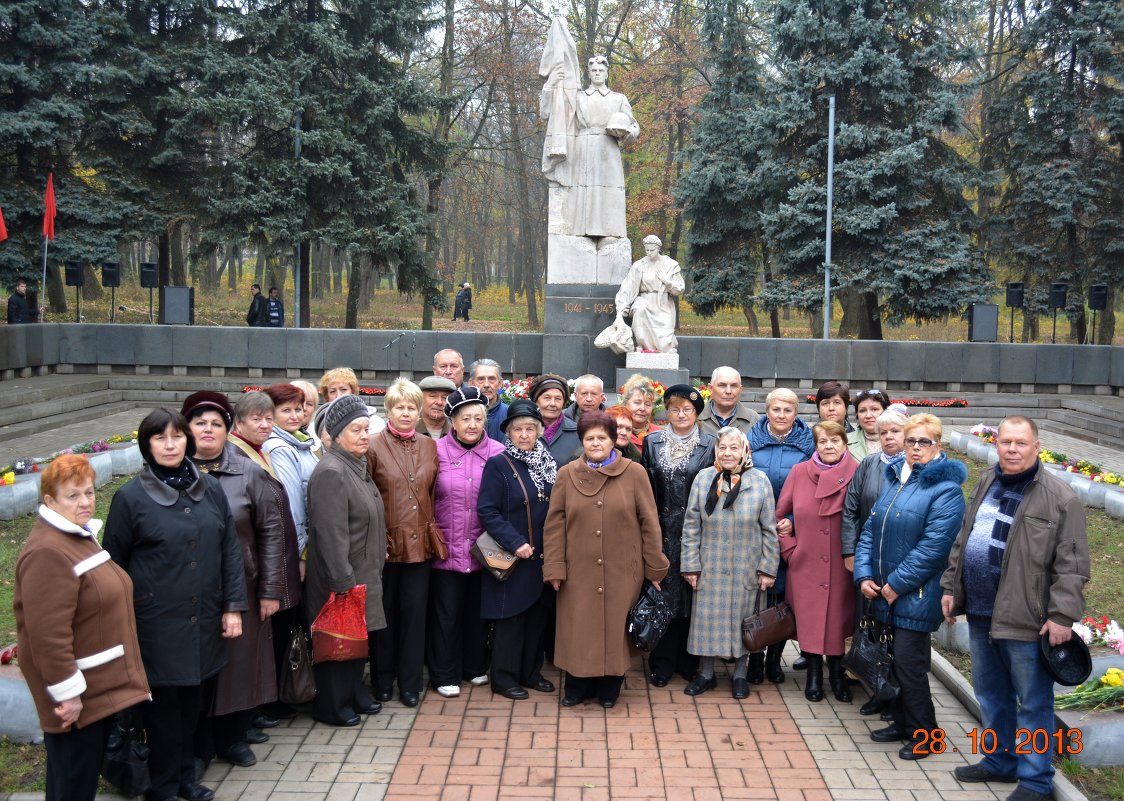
(1018, 569)
(275, 309)
(18, 311)
(463, 302)
(256, 316)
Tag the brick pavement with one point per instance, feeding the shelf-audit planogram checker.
(655, 744)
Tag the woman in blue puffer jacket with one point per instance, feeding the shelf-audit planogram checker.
(901, 554)
(779, 441)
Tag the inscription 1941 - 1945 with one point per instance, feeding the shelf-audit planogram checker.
(596, 308)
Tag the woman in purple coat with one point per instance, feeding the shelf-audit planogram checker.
(455, 647)
(514, 497)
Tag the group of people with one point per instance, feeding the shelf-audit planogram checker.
(247, 519)
(265, 312)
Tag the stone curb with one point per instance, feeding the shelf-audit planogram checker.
(22, 498)
(1092, 493)
(952, 678)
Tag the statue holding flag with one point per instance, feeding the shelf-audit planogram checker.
(586, 129)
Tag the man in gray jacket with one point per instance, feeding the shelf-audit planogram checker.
(725, 407)
(1018, 571)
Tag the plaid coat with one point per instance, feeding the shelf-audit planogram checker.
(727, 549)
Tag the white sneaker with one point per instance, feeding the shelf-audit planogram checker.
(479, 680)
(449, 690)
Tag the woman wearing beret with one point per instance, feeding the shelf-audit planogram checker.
(264, 526)
(172, 531)
(673, 457)
(346, 547)
(729, 553)
(551, 393)
(602, 539)
(456, 648)
(78, 645)
(404, 466)
(514, 498)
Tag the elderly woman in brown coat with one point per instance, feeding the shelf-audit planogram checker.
(404, 466)
(265, 529)
(77, 634)
(346, 548)
(602, 539)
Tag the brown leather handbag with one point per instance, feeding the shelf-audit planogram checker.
(492, 556)
(767, 627)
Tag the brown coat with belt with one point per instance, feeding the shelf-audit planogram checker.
(602, 539)
(405, 471)
(75, 623)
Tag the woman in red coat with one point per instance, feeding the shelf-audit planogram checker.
(820, 588)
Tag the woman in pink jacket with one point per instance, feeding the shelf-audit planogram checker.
(455, 647)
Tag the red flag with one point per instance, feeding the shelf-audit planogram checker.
(50, 210)
(3, 228)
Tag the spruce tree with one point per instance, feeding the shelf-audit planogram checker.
(1060, 133)
(902, 234)
(722, 185)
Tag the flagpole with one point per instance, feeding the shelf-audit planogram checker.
(43, 286)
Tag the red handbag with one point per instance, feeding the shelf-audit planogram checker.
(339, 633)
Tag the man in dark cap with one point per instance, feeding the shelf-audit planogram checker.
(1018, 570)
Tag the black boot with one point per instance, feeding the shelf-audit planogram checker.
(813, 687)
(773, 670)
(837, 680)
(756, 673)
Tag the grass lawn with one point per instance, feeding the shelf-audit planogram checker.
(22, 766)
(493, 310)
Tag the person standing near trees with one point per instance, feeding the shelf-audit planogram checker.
(274, 309)
(255, 317)
(463, 302)
(18, 311)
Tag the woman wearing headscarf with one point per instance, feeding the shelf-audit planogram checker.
(729, 553)
(602, 539)
(779, 440)
(456, 648)
(346, 548)
(820, 588)
(551, 393)
(264, 526)
(404, 466)
(172, 531)
(673, 457)
(78, 647)
(514, 498)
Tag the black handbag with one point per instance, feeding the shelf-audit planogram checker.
(871, 657)
(126, 756)
(648, 618)
(769, 626)
(298, 682)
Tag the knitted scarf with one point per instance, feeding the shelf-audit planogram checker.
(1008, 491)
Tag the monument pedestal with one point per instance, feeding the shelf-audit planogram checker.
(662, 367)
(582, 278)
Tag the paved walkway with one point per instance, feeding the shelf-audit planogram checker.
(1108, 458)
(655, 744)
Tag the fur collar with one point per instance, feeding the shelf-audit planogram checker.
(929, 475)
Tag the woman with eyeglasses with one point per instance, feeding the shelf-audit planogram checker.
(673, 457)
(902, 551)
(869, 404)
(809, 522)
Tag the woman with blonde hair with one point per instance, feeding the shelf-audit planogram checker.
(404, 467)
(639, 396)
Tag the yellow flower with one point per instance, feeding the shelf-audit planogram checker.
(1113, 677)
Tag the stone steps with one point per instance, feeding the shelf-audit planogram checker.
(21, 420)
